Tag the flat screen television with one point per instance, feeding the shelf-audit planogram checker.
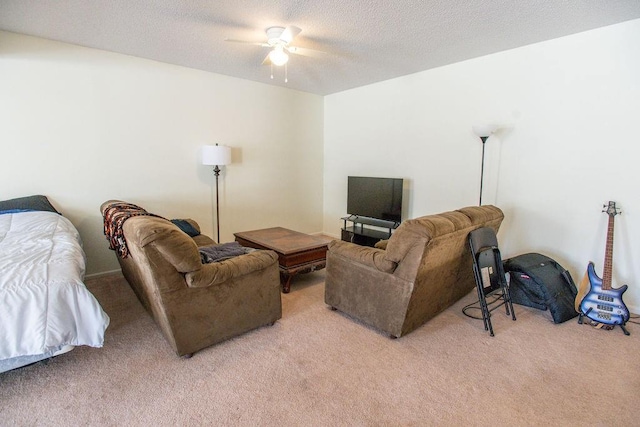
(379, 198)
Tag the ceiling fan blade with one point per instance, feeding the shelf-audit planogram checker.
(247, 42)
(267, 60)
(312, 53)
(289, 33)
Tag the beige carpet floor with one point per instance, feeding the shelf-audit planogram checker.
(317, 367)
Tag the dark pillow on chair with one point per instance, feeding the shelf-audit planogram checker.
(29, 203)
(186, 227)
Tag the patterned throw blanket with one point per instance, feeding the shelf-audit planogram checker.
(114, 217)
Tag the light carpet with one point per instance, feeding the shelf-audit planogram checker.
(317, 367)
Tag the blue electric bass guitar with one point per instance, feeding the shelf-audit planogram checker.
(603, 304)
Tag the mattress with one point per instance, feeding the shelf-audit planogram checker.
(44, 305)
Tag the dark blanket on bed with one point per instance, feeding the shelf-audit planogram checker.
(25, 204)
(216, 253)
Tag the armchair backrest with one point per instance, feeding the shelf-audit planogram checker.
(175, 246)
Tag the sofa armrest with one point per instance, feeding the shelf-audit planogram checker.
(382, 244)
(203, 240)
(371, 257)
(220, 272)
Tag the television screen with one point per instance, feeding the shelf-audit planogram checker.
(379, 198)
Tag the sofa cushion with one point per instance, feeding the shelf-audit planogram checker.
(175, 246)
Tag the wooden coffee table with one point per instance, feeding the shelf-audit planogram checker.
(297, 252)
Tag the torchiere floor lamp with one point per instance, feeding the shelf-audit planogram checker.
(484, 132)
(216, 155)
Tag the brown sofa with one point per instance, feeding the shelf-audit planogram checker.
(194, 304)
(421, 270)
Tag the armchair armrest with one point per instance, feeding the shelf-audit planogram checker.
(382, 244)
(372, 257)
(220, 272)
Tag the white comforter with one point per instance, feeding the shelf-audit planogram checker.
(43, 302)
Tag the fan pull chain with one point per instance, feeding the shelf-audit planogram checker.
(272, 71)
(286, 79)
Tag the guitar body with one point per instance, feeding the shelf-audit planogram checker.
(604, 305)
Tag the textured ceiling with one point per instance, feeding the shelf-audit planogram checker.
(365, 41)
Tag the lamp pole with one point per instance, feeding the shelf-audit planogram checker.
(216, 155)
(483, 139)
(483, 132)
(216, 171)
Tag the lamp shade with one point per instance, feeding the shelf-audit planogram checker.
(484, 130)
(216, 155)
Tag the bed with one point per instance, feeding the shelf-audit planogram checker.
(45, 308)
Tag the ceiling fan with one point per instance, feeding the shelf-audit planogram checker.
(279, 41)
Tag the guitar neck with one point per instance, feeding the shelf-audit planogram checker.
(608, 256)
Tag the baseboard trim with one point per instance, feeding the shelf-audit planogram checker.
(322, 234)
(103, 274)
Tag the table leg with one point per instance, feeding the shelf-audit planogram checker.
(285, 279)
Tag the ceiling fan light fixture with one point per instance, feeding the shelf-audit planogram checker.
(278, 56)
(273, 35)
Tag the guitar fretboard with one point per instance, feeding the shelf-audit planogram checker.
(608, 252)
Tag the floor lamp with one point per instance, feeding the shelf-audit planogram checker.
(216, 155)
(484, 132)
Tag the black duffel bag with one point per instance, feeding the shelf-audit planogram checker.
(540, 282)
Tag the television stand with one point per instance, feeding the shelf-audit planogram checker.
(366, 231)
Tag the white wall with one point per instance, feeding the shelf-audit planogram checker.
(570, 107)
(83, 126)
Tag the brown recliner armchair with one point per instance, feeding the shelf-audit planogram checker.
(197, 305)
(420, 271)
